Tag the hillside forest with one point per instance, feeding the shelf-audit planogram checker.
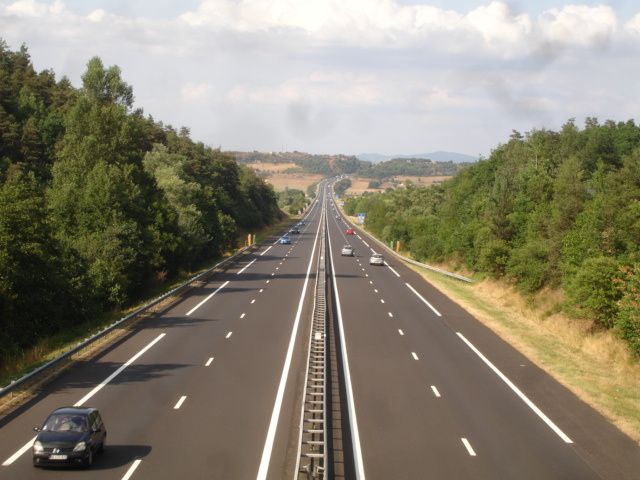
(547, 209)
(99, 203)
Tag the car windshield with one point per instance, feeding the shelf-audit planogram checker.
(65, 423)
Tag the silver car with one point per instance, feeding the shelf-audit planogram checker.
(376, 259)
(347, 251)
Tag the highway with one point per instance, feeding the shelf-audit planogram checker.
(437, 395)
(211, 386)
(199, 399)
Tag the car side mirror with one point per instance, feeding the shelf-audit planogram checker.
(36, 429)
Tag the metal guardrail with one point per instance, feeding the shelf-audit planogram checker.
(88, 341)
(312, 451)
(407, 259)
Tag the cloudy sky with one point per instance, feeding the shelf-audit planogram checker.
(349, 76)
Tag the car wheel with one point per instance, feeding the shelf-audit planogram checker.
(89, 460)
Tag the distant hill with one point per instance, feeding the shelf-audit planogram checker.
(438, 156)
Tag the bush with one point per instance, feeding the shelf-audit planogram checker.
(627, 323)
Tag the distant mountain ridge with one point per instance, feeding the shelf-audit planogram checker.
(439, 156)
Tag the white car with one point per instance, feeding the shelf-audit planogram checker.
(376, 259)
(347, 251)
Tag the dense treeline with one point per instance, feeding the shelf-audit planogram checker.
(97, 201)
(557, 209)
(418, 167)
(292, 200)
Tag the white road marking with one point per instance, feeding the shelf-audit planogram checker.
(414, 355)
(246, 266)
(517, 391)
(253, 301)
(370, 282)
(261, 290)
(366, 274)
(95, 390)
(400, 332)
(277, 406)
(273, 274)
(365, 243)
(268, 281)
(229, 334)
(132, 469)
(468, 447)
(375, 290)
(242, 316)
(424, 300)
(266, 250)
(390, 314)
(435, 391)
(277, 268)
(391, 268)
(363, 269)
(208, 362)
(180, 402)
(206, 299)
(357, 450)
(382, 300)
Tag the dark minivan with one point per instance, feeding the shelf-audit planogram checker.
(69, 436)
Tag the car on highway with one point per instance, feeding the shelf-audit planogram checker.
(69, 436)
(294, 231)
(337, 217)
(349, 231)
(285, 240)
(347, 251)
(376, 259)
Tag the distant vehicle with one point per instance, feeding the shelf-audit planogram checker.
(294, 231)
(347, 251)
(338, 217)
(349, 231)
(285, 240)
(69, 436)
(376, 259)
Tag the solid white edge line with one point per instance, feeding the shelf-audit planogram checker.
(414, 355)
(366, 243)
(263, 469)
(180, 402)
(208, 362)
(246, 266)
(359, 464)
(517, 391)
(95, 390)
(206, 299)
(267, 249)
(468, 447)
(132, 469)
(435, 391)
(423, 299)
(391, 268)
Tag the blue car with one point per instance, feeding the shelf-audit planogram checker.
(285, 240)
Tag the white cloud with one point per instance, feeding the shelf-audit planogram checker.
(194, 91)
(579, 25)
(32, 8)
(97, 15)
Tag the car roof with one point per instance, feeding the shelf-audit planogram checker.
(74, 410)
(376, 255)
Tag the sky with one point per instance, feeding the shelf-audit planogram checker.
(349, 76)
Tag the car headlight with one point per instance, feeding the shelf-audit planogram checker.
(80, 447)
(37, 447)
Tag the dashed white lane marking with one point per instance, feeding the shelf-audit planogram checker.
(229, 334)
(414, 355)
(180, 402)
(517, 391)
(280, 263)
(423, 299)
(391, 268)
(390, 314)
(366, 274)
(370, 282)
(400, 332)
(242, 316)
(132, 469)
(209, 362)
(375, 290)
(206, 299)
(253, 301)
(467, 445)
(363, 269)
(435, 391)
(365, 243)
(268, 281)
(246, 266)
(382, 300)
(261, 290)
(266, 250)
(273, 274)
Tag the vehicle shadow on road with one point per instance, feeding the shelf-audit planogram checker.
(115, 456)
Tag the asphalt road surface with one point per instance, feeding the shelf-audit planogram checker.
(437, 395)
(203, 396)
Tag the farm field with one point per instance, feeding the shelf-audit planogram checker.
(359, 185)
(271, 167)
(300, 181)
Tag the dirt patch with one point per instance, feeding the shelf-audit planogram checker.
(271, 167)
(299, 181)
